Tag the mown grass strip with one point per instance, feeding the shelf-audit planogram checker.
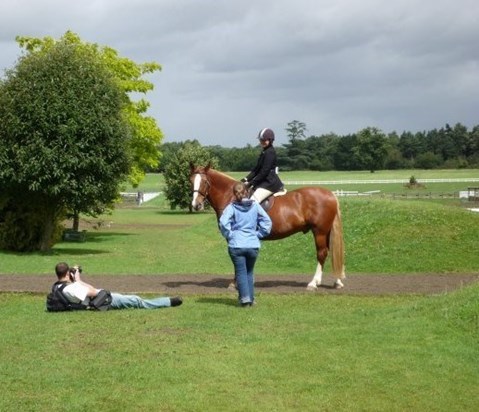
(289, 352)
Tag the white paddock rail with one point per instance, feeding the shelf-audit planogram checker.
(378, 181)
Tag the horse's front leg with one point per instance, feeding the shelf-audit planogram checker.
(317, 278)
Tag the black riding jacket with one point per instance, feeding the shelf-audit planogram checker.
(264, 173)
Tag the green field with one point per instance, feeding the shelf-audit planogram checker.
(382, 235)
(304, 351)
(155, 182)
(290, 352)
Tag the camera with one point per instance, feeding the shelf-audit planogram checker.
(73, 270)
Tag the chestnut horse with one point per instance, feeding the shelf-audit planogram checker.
(300, 210)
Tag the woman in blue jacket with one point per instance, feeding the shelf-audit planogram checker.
(243, 223)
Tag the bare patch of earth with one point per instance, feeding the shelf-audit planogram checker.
(355, 284)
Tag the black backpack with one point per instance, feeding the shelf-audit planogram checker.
(57, 301)
(102, 301)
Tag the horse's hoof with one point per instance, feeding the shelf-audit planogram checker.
(312, 288)
(232, 287)
(338, 285)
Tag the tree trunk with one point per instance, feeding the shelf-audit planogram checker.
(47, 236)
(50, 222)
(76, 221)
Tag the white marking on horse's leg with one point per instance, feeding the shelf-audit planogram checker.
(339, 283)
(196, 187)
(317, 279)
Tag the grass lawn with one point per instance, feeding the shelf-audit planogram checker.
(304, 351)
(381, 236)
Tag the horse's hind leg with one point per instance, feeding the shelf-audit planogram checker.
(321, 254)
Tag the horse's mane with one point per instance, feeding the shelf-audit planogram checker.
(220, 194)
(221, 174)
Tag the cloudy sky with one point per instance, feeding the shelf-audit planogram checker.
(230, 68)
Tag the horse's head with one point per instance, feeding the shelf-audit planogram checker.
(200, 184)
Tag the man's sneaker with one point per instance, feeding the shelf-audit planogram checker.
(176, 301)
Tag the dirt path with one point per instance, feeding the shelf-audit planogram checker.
(358, 284)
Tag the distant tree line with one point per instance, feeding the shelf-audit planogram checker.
(369, 149)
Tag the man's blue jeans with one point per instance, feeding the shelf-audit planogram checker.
(120, 301)
(243, 260)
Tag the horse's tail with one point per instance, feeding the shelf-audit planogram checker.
(336, 246)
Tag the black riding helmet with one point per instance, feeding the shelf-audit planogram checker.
(266, 134)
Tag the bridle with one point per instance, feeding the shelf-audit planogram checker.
(207, 186)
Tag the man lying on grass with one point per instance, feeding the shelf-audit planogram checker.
(69, 292)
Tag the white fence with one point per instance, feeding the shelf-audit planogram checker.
(138, 197)
(378, 181)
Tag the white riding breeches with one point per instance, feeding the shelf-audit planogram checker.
(260, 194)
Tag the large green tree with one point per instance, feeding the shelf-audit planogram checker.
(63, 142)
(146, 136)
(177, 173)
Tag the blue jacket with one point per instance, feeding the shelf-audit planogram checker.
(243, 223)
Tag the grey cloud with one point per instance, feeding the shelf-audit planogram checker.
(337, 65)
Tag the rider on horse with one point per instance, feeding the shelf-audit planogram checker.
(264, 177)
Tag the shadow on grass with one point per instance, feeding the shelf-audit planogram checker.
(211, 283)
(78, 251)
(59, 251)
(102, 237)
(219, 301)
(224, 283)
(81, 247)
(278, 283)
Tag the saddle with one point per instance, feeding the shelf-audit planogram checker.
(268, 203)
